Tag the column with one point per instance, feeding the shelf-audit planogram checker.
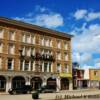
(13, 64)
(27, 80)
(33, 65)
(58, 84)
(23, 65)
(44, 80)
(70, 84)
(51, 67)
(43, 67)
(29, 66)
(48, 67)
(8, 83)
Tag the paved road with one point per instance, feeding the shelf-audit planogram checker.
(51, 96)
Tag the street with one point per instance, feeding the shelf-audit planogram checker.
(51, 96)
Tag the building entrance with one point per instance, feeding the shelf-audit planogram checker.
(52, 83)
(36, 82)
(2, 84)
(18, 81)
(64, 84)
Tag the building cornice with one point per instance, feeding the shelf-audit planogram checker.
(28, 26)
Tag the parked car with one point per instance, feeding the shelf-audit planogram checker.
(20, 90)
(46, 89)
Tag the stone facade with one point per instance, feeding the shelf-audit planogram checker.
(31, 54)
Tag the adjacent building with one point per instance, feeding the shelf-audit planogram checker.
(34, 55)
(94, 78)
(78, 77)
(86, 78)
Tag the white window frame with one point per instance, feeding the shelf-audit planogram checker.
(58, 68)
(12, 64)
(11, 35)
(58, 55)
(65, 45)
(66, 56)
(58, 44)
(23, 36)
(11, 49)
(66, 69)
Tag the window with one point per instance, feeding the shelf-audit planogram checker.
(33, 39)
(50, 43)
(11, 35)
(45, 67)
(49, 67)
(58, 56)
(28, 39)
(33, 51)
(65, 68)
(96, 73)
(1, 32)
(42, 51)
(10, 63)
(26, 67)
(23, 51)
(28, 51)
(65, 56)
(42, 41)
(1, 47)
(47, 42)
(58, 44)
(23, 38)
(11, 49)
(58, 67)
(65, 45)
(21, 64)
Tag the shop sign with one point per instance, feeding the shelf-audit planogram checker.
(64, 74)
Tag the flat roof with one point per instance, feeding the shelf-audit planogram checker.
(33, 27)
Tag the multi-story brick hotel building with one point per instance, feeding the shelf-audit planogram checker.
(33, 55)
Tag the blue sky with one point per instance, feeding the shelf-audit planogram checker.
(78, 17)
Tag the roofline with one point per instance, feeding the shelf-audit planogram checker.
(33, 27)
(94, 69)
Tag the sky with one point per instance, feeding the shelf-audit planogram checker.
(80, 18)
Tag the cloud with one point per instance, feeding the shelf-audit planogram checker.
(87, 67)
(79, 14)
(38, 8)
(85, 43)
(97, 65)
(88, 40)
(86, 15)
(81, 58)
(47, 19)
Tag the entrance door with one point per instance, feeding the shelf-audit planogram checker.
(18, 81)
(2, 84)
(36, 82)
(52, 83)
(64, 84)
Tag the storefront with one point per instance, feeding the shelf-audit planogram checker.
(66, 81)
(18, 81)
(36, 82)
(2, 84)
(52, 83)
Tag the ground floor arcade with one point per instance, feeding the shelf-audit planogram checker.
(36, 80)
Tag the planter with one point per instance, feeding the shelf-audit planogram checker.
(35, 95)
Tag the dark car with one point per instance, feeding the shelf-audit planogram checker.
(46, 89)
(20, 90)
